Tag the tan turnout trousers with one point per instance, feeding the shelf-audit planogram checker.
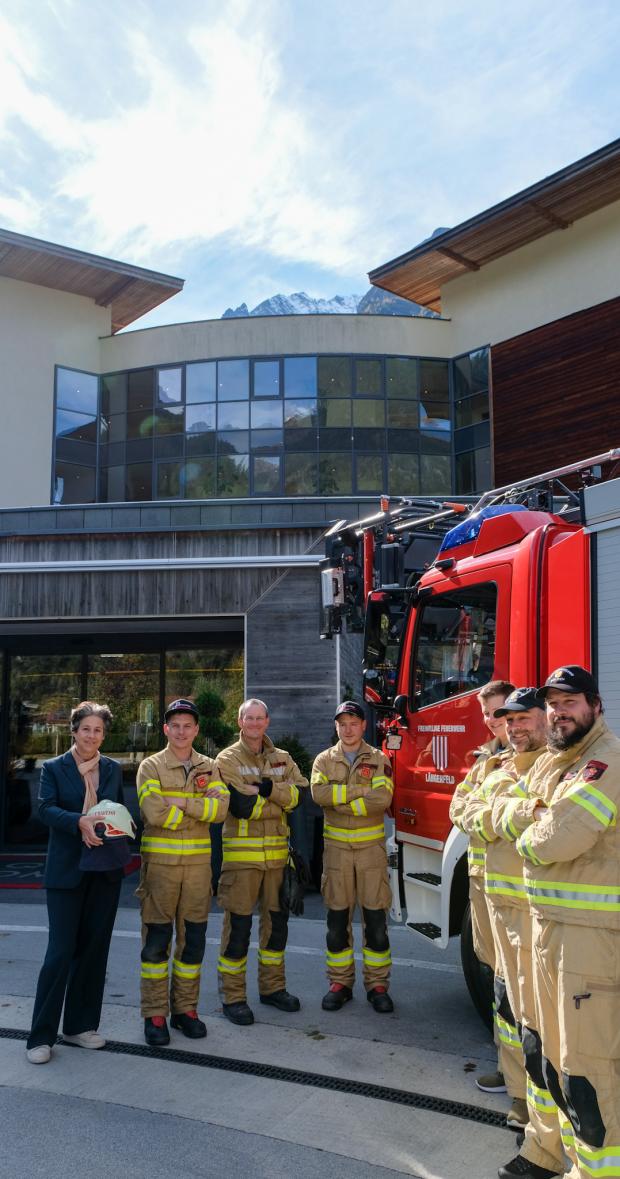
(509, 1054)
(239, 891)
(176, 897)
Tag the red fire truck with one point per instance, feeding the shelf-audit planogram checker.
(452, 597)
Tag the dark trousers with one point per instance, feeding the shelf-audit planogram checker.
(80, 928)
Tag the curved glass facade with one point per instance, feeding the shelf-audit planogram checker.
(264, 426)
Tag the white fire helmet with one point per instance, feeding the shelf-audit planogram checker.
(115, 818)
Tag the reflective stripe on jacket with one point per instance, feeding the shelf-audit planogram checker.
(261, 840)
(490, 757)
(172, 836)
(354, 797)
(571, 855)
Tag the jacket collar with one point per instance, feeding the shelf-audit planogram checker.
(69, 765)
(268, 747)
(365, 750)
(173, 763)
(563, 758)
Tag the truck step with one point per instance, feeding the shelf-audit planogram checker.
(425, 927)
(425, 877)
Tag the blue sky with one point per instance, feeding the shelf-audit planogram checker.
(287, 145)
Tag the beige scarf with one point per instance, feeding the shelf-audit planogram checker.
(86, 770)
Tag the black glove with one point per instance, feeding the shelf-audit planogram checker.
(241, 805)
(294, 881)
(265, 788)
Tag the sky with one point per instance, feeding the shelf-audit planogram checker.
(287, 145)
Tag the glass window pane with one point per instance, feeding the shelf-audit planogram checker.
(266, 378)
(473, 471)
(368, 439)
(435, 416)
(266, 475)
(233, 476)
(300, 376)
(403, 414)
(114, 393)
(113, 455)
(114, 428)
(403, 440)
(334, 376)
(74, 484)
(199, 419)
(200, 382)
(169, 446)
(369, 413)
(299, 413)
(301, 439)
(169, 480)
(403, 474)
(368, 378)
(169, 386)
(472, 410)
(232, 417)
(479, 369)
(266, 439)
(456, 642)
(401, 377)
(435, 474)
(200, 479)
(335, 439)
(483, 468)
(189, 672)
(435, 442)
(335, 413)
(201, 443)
(76, 426)
(233, 380)
(139, 482)
(170, 420)
(83, 453)
(472, 437)
(112, 484)
(140, 424)
(140, 389)
(266, 415)
(369, 473)
(234, 442)
(434, 381)
(335, 476)
(139, 450)
(300, 475)
(77, 391)
(129, 683)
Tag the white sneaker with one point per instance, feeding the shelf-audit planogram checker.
(40, 1054)
(85, 1040)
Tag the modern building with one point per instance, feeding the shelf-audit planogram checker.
(164, 492)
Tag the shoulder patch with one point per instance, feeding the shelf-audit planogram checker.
(365, 771)
(593, 771)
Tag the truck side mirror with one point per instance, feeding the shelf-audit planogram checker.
(400, 707)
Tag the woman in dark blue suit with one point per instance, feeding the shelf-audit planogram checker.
(81, 905)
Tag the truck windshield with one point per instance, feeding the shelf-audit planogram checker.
(455, 643)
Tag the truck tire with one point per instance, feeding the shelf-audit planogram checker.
(478, 976)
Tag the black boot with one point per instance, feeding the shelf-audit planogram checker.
(282, 1000)
(380, 1000)
(156, 1031)
(336, 997)
(524, 1169)
(238, 1013)
(189, 1023)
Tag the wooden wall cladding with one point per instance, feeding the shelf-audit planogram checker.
(556, 393)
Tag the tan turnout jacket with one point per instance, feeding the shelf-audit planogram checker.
(490, 756)
(172, 836)
(351, 818)
(261, 840)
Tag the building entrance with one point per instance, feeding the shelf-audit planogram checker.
(137, 675)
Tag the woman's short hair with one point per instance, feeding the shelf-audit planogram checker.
(90, 708)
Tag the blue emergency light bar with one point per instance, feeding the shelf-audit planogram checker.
(468, 529)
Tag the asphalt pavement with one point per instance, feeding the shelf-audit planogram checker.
(206, 1110)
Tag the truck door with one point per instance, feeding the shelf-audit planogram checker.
(460, 643)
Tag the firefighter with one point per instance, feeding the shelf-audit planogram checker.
(501, 815)
(265, 786)
(510, 1074)
(353, 783)
(180, 795)
(571, 855)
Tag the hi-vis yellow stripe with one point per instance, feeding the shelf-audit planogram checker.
(271, 957)
(186, 969)
(154, 970)
(376, 958)
(380, 780)
(339, 793)
(175, 847)
(294, 800)
(173, 818)
(358, 806)
(231, 965)
(339, 960)
(353, 834)
(151, 786)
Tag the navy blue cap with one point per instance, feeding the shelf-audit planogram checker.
(521, 700)
(182, 706)
(111, 854)
(571, 678)
(350, 708)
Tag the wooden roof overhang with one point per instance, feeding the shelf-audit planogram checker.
(552, 204)
(128, 290)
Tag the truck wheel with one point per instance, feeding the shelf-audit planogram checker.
(478, 976)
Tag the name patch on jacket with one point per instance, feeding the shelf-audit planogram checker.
(593, 771)
(278, 767)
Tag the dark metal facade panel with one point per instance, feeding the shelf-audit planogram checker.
(556, 393)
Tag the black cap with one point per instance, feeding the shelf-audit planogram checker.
(571, 678)
(182, 706)
(521, 700)
(350, 708)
